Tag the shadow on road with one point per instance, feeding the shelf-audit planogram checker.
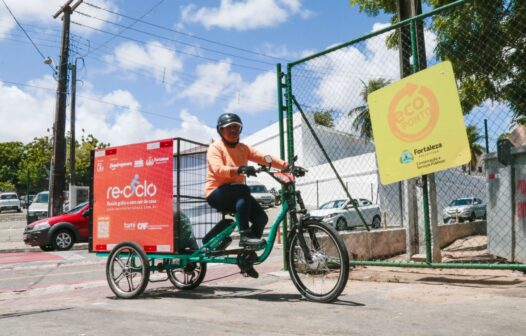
(222, 293)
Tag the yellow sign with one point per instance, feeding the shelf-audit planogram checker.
(418, 126)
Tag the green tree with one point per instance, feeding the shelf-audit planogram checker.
(362, 118)
(11, 154)
(484, 39)
(476, 149)
(35, 165)
(7, 186)
(82, 158)
(324, 118)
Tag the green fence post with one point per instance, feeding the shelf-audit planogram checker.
(281, 108)
(425, 196)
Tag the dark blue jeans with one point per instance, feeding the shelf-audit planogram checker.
(236, 198)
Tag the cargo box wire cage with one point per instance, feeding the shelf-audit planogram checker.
(191, 211)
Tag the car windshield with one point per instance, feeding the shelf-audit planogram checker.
(41, 198)
(258, 189)
(8, 196)
(458, 202)
(77, 208)
(333, 204)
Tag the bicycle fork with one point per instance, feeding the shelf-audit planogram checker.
(299, 229)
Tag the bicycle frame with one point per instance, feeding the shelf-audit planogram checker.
(206, 252)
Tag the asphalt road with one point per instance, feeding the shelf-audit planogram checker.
(66, 293)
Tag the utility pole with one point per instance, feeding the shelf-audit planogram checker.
(73, 68)
(58, 161)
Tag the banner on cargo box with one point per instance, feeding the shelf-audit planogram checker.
(133, 193)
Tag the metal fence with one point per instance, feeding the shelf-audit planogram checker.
(477, 211)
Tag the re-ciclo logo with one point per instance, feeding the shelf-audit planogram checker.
(413, 113)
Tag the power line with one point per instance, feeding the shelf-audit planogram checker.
(170, 49)
(187, 34)
(126, 28)
(95, 99)
(27, 35)
(175, 41)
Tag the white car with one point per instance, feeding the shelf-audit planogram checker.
(465, 209)
(38, 208)
(262, 195)
(9, 201)
(342, 215)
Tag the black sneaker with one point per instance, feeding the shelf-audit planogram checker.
(247, 239)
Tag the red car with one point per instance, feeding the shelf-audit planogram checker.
(60, 232)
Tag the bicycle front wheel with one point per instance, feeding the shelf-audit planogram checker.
(324, 277)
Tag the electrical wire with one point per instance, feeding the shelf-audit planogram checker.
(95, 99)
(186, 34)
(27, 35)
(170, 49)
(127, 27)
(175, 41)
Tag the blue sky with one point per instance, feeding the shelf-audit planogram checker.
(169, 75)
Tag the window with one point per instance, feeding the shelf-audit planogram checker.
(8, 196)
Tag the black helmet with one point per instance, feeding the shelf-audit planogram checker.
(226, 119)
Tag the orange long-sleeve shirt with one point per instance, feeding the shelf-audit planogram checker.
(223, 162)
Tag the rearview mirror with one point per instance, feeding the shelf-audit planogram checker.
(268, 159)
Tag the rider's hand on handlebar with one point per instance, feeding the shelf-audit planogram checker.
(298, 171)
(246, 170)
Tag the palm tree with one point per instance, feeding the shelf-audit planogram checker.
(362, 119)
(476, 149)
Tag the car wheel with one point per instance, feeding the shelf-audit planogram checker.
(46, 248)
(376, 222)
(341, 224)
(63, 240)
(19, 210)
(472, 217)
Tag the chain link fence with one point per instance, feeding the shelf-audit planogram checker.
(477, 211)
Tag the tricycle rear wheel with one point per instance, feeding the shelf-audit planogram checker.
(127, 270)
(189, 277)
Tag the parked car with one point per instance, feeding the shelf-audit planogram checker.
(25, 200)
(59, 232)
(38, 208)
(9, 201)
(467, 209)
(342, 215)
(262, 195)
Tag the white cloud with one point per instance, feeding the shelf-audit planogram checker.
(260, 95)
(282, 51)
(26, 113)
(155, 58)
(338, 77)
(244, 14)
(114, 117)
(127, 124)
(214, 80)
(41, 11)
